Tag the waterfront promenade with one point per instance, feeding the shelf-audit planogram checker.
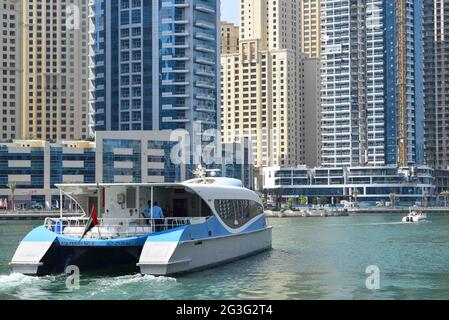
(330, 212)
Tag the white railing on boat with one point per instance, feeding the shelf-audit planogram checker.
(109, 228)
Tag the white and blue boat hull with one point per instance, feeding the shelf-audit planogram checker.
(193, 248)
(180, 250)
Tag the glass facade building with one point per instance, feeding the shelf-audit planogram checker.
(360, 124)
(373, 184)
(154, 64)
(35, 166)
(147, 157)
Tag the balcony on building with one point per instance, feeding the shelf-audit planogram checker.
(203, 48)
(206, 85)
(175, 70)
(175, 58)
(175, 4)
(204, 73)
(179, 107)
(175, 21)
(175, 45)
(175, 82)
(204, 36)
(204, 8)
(175, 119)
(201, 96)
(174, 95)
(204, 25)
(206, 108)
(203, 60)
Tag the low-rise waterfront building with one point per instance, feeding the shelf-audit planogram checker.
(147, 157)
(371, 185)
(33, 167)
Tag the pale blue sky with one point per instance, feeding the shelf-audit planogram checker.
(230, 10)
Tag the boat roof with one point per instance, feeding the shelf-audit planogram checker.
(224, 182)
(207, 188)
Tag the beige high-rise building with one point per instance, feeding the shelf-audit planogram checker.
(10, 69)
(262, 85)
(229, 37)
(310, 28)
(55, 60)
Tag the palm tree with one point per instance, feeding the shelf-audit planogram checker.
(290, 203)
(355, 194)
(426, 196)
(277, 193)
(445, 195)
(392, 197)
(12, 189)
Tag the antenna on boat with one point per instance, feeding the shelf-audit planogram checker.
(201, 173)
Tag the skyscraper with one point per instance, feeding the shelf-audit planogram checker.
(55, 63)
(372, 93)
(262, 85)
(311, 28)
(10, 69)
(154, 64)
(436, 80)
(229, 37)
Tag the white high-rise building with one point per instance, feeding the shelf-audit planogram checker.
(262, 85)
(360, 96)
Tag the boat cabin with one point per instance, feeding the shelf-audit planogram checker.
(120, 208)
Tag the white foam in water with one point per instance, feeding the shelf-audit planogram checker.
(124, 280)
(16, 280)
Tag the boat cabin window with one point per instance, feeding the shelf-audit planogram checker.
(176, 202)
(236, 213)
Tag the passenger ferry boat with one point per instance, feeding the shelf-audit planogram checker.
(207, 222)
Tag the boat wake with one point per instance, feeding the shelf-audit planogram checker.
(130, 279)
(369, 224)
(19, 286)
(17, 280)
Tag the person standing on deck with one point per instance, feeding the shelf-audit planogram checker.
(155, 214)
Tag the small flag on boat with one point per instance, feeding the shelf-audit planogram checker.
(92, 222)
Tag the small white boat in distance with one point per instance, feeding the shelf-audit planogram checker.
(415, 216)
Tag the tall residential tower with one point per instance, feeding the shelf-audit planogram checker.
(262, 85)
(154, 64)
(229, 37)
(10, 69)
(372, 92)
(311, 28)
(436, 80)
(55, 63)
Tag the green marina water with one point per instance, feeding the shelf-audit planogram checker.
(312, 258)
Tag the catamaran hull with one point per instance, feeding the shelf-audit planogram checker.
(88, 258)
(173, 258)
(58, 258)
